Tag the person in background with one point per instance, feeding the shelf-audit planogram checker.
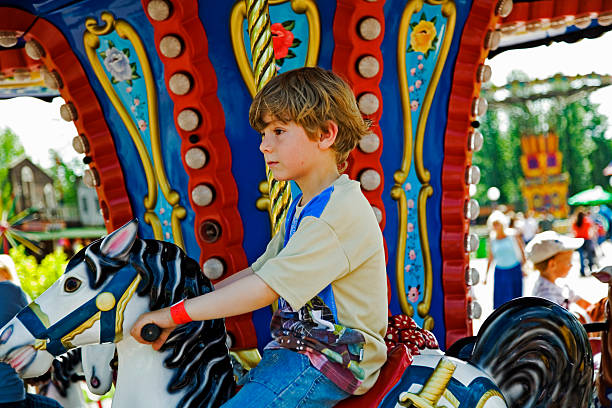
(530, 226)
(584, 228)
(12, 300)
(551, 255)
(506, 251)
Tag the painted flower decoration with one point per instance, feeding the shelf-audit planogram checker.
(410, 227)
(117, 63)
(424, 36)
(412, 255)
(413, 293)
(283, 40)
(142, 125)
(414, 105)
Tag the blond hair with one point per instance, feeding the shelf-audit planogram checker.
(7, 268)
(311, 97)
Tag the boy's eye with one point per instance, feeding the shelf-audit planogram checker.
(278, 132)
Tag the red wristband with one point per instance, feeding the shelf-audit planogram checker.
(179, 314)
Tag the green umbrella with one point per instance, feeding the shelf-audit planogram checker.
(593, 196)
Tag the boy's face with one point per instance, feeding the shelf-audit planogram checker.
(288, 151)
(563, 263)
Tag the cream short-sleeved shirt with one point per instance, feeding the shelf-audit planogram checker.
(342, 247)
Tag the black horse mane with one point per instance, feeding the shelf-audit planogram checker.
(537, 353)
(199, 356)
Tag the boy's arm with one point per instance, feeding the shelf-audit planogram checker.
(238, 275)
(241, 296)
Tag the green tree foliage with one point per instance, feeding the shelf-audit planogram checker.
(65, 177)
(575, 119)
(10, 148)
(36, 278)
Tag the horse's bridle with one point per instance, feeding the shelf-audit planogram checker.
(104, 307)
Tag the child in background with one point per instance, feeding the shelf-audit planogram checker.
(551, 255)
(326, 266)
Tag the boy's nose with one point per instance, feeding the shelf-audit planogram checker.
(264, 146)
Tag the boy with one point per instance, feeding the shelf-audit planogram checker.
(326, 267)
(551, 254)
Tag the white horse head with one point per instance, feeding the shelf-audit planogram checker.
(106, 286)
(96, 361)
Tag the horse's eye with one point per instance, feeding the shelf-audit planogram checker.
(71, 285)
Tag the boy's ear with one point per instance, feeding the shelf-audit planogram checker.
(328, 137)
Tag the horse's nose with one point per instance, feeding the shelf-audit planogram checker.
(94, 381)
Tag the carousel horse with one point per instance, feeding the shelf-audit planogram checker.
(604, 379)
(90, 364)
(108, 284)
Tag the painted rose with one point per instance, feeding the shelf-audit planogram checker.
(411, 88)
(133, 108)
(142, 125)
(414, 105)
(420, 66)
(128, 89)
(420, 58)
(136, 101)
(418, 83)
(413, 293)
(410, 203)
(118, 65)
(407, 268)
(410, 227)
(412, 255)
(412, 71)
(281, 40)
(423, 36)
(408, 187)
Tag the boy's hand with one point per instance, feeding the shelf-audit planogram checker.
(161, 318)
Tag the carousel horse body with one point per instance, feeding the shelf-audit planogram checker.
(110, 283)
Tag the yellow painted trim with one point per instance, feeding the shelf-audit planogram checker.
(42, 316)
(178, 213)
(237, 17)
(400, 176)
(92, 42)
(34, 78)
(488, 395)
(84, 326)
(397, 193)
(248, 358)
(424, 305)
(450, 397)
(151, 218)
(121, 305)
(155, 172)
(434, 387)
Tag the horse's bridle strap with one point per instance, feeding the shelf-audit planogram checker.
(58, 335)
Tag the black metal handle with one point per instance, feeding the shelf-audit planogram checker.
(150, 332)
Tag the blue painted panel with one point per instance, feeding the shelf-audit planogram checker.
(433, 151)
(71, 21)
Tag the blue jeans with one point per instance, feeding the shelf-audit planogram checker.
(286, 379)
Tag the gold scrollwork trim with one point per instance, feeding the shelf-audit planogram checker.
(425, 304)
(237, 17)
(82, 327)
(155, 172)
(178, 213)
(488, 395)
(448, 11)
(121, 305)
(397, 192)
(153, 220)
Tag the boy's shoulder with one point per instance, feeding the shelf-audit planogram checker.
(348, 211)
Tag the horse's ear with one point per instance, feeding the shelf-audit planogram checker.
(118, 243)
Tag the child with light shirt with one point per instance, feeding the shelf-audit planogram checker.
(551, 254)
(326, 267)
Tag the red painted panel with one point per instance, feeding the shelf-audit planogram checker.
(209, 136)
